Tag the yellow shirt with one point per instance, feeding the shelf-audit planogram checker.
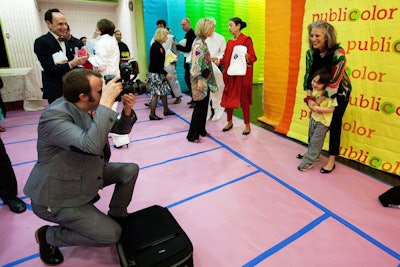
(324, 118)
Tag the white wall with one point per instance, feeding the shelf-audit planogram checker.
(21, 26)
(23, 21)
(81, 17)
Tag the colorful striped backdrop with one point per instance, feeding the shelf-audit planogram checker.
(369, 32)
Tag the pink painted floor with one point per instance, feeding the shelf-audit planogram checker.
(240, 199)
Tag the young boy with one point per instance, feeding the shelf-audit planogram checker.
(320, 119)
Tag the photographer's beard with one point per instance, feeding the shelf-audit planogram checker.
(92, 102)
(91, 98)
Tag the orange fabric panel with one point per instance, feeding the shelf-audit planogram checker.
(276, 56)
(297, 14)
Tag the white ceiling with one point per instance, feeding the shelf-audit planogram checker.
(95, 2)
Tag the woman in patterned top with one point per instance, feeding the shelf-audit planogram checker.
(325, 52)
(202, 80)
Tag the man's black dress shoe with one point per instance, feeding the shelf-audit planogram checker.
(15, 204)
(48, 254)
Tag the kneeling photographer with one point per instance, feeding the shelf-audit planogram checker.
(73, 165)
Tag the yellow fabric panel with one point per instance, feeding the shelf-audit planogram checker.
(256, 30)
(368, 32)
(276, 60)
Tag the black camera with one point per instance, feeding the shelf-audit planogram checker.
(129, 85)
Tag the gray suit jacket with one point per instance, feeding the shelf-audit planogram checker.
(72, 152)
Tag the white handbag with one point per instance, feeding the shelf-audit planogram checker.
(238, 64)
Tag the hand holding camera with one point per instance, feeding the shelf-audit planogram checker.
(128, 101)
(110, 91)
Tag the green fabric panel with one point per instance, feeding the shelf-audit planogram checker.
(241, 10)
(140, 39)
(250, 11)
(194, 11)
(212, 10)
(226, 12)
(256, 30)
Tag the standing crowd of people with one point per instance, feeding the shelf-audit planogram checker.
(73, 147)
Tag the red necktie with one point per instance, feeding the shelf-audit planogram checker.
(60, 39)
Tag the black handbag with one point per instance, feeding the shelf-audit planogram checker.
(391, 198)
(205, 73)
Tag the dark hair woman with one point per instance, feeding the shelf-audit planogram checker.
(238, 88)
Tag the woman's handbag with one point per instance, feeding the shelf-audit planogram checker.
(238, 65)
(198, 95)
(205, 73)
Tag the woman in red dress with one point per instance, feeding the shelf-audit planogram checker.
(238, 89)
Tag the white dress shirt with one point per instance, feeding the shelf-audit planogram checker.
(216, 45)
(106, 55)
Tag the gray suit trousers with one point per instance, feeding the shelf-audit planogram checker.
(86, 225)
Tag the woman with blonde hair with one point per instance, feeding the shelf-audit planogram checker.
(202, 80)
(157, 75)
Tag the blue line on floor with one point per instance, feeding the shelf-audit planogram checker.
(22, 260)
(179, 158)
(287, 241)
(318, 205)
(212, 189)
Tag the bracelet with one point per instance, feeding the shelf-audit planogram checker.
(308, 98)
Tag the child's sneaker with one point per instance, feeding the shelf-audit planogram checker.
(304, 167)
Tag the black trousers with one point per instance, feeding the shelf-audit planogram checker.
(186, 66)
(336, 125)
(3, 107)
(8, 182)
(199, 118)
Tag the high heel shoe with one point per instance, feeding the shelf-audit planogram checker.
(299, 156)
(154, 118)
(227, 128)
(169, 112)
(119, 147)
(323, 170)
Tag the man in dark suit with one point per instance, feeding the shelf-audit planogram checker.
(54, 55)
(73, 43)
(73, 164)
(186, 48)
